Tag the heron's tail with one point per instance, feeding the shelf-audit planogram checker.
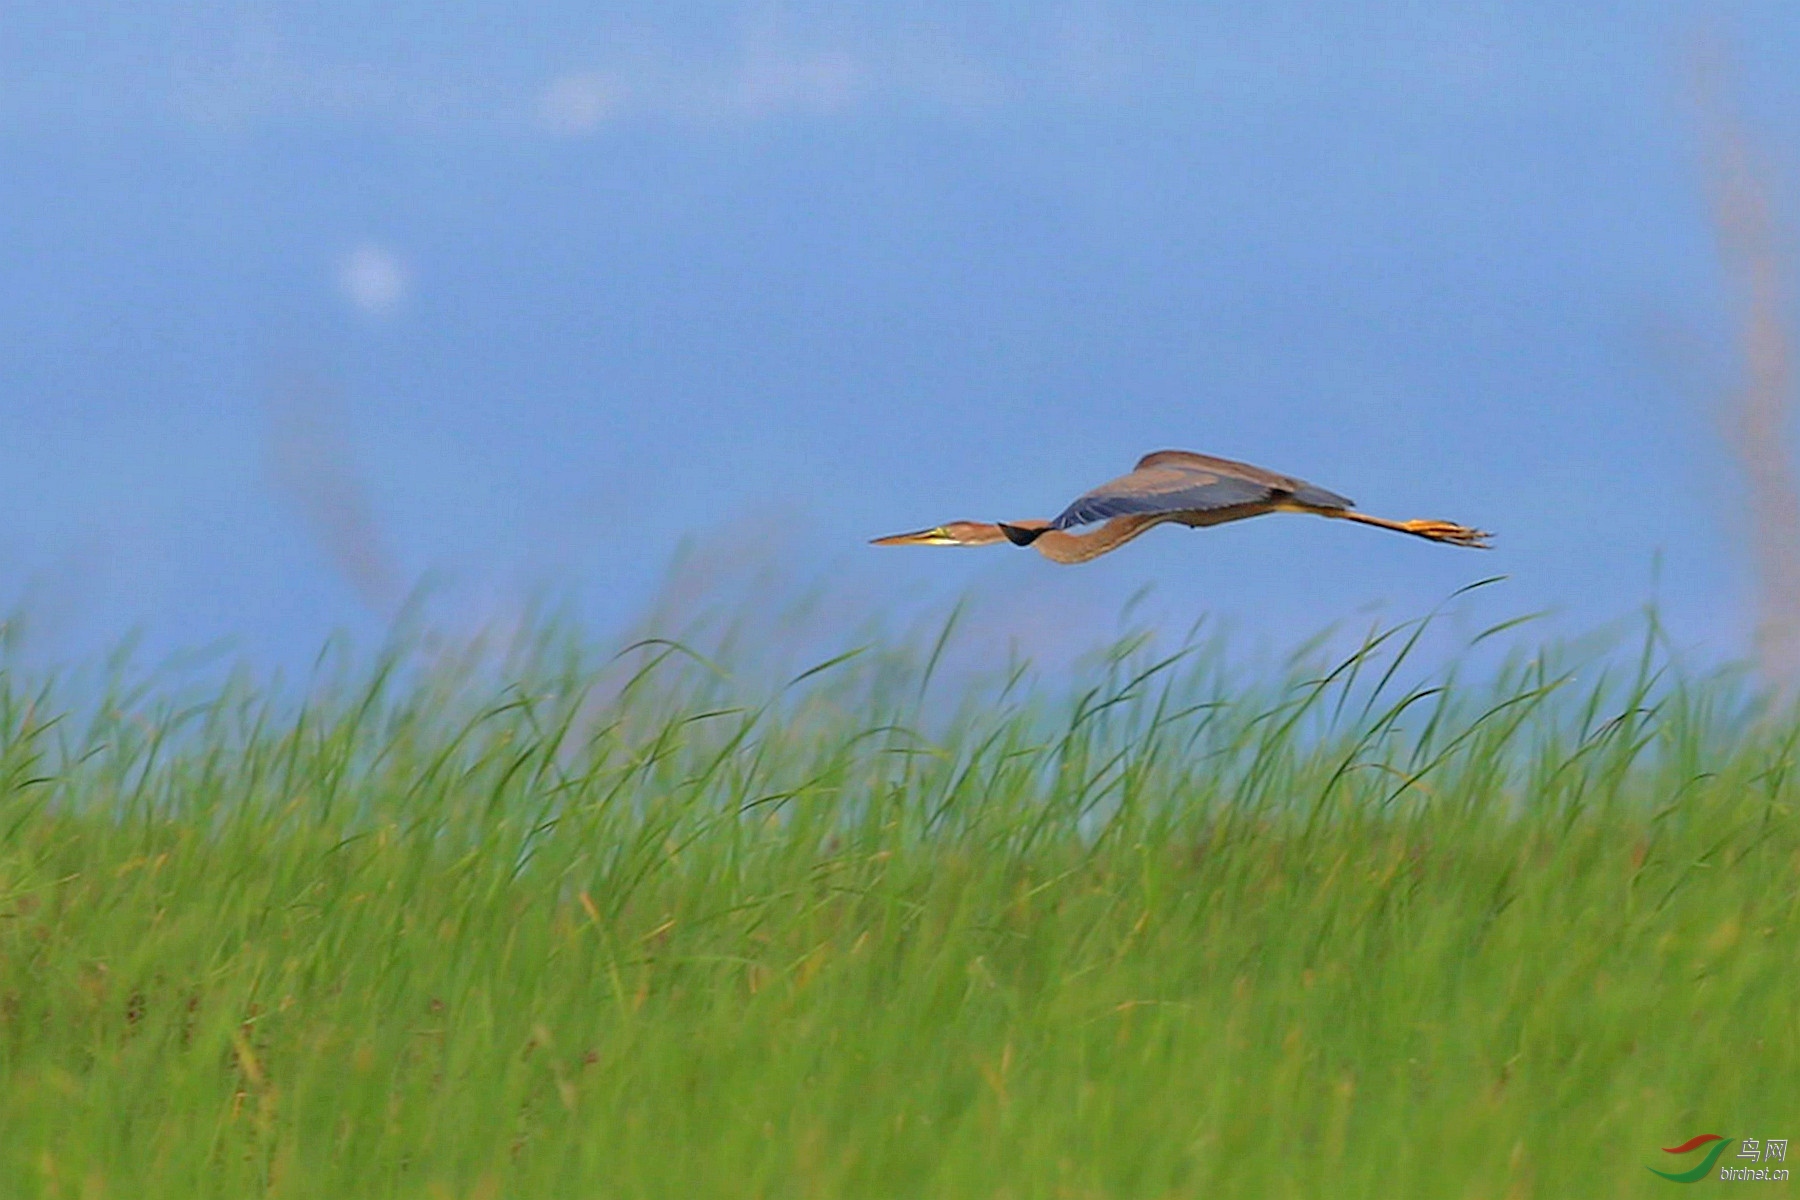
(1018, 535)
(1448, 532)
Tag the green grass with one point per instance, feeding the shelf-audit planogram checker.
(536, 929)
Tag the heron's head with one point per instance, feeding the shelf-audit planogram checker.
(951, 533)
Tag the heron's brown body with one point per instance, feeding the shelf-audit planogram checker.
(1173, 487)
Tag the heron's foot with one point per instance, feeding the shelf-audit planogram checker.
(1449, 531)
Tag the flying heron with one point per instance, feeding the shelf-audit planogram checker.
(1175, 486)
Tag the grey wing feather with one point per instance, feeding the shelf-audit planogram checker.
(1181, 481)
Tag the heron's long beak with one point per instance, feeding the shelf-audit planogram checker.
(936, 536)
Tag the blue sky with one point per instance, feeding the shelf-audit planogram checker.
(307, 303)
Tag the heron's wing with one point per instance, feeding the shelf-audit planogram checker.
(1180, 481)
(1299, 489)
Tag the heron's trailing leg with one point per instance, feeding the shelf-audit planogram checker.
(1436, 531)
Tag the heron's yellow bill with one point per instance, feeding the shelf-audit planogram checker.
(936, 536)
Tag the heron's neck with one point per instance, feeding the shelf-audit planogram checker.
(1059, 546)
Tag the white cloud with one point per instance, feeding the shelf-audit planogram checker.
(764, 79)
(773, 80)
(373, 278)
(580, 103)
(755, 64)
